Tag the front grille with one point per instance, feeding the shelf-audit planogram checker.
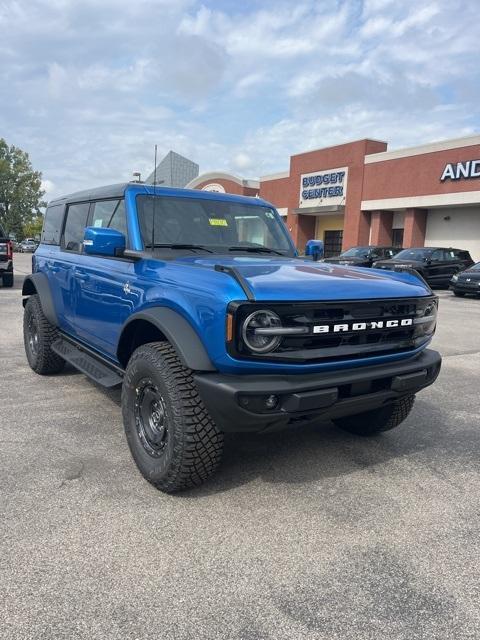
(363, 328)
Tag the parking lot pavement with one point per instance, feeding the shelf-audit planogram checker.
(311, 534)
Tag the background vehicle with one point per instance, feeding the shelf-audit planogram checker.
(363, 256)
(467, 281)
(6, 259)
(28, 246)
(435, 264)
(197, 303)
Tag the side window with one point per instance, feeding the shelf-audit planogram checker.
(437, 256)
(451, 255)
(77, 215)
(111, 214)
(52, 224)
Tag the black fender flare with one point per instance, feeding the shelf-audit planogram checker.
(37, 283)
(179, 332)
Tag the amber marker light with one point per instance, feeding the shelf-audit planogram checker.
(229, 327)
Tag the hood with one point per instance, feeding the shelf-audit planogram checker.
(473, 275)
(398, 262)
(288, 279)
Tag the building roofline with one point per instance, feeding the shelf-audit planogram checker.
(275, 176)
(220, 175)
(431, 147)
(340, 144)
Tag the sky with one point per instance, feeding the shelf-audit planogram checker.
(88, 87)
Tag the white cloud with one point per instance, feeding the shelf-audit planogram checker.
(242, 161)
(92, 86)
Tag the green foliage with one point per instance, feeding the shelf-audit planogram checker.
(20, 191)
(33, 228)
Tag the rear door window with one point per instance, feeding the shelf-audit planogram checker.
(438, 255)
(52, 224)
(77, 216)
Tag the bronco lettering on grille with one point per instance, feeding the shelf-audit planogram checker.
(362, 326)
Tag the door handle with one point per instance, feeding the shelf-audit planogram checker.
(81, 276)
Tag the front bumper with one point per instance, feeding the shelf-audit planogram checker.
(466, 287)
(237, 403)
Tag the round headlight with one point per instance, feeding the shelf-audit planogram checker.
(258, 331)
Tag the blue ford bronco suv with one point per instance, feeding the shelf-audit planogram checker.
(199, 306)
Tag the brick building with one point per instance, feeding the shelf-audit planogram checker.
(359, 193)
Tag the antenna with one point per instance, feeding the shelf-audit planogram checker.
(154, 199)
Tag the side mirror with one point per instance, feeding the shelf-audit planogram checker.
(99, 241)
(314, 248)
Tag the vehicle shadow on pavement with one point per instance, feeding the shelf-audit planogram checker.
(320, 451)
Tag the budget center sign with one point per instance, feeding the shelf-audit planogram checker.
(323, 188)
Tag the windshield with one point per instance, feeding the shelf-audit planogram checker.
(476, 267)
(356, 252)
(214, 224)
(412, 254)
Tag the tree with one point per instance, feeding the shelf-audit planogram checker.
(20, 190)
(33, 228)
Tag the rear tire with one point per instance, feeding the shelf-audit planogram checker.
(7, 279)
(38, 337)
(173, 440)
(383, 419)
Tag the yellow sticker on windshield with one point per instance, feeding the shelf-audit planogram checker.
(218, 222)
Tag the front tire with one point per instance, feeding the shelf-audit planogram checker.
(173, 440)
(459, 294)
(38, 337)
(383, 419)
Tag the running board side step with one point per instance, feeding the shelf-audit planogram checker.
(93, 366)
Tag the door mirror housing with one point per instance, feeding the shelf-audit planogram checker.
(314, 248)
(100, 241)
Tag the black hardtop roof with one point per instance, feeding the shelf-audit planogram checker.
(118, 191)
(109, 191)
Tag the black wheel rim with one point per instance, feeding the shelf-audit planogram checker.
(151, 420)
(33, 335)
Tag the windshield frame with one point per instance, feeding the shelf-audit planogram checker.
(169, 249)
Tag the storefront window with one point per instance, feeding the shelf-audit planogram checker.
(332, 243)
(397, 238)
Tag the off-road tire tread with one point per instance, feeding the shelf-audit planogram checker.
(199, 443)
(47, 361)
(378, 420)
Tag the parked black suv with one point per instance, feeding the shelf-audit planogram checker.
(6, 259)
(435, 264)
(363, 256)
(467, 281)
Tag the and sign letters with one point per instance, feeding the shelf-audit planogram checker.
(461, 170)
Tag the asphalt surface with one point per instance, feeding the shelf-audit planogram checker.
(304, 534)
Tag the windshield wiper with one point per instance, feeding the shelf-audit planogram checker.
(257, 250)
(177, 245)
